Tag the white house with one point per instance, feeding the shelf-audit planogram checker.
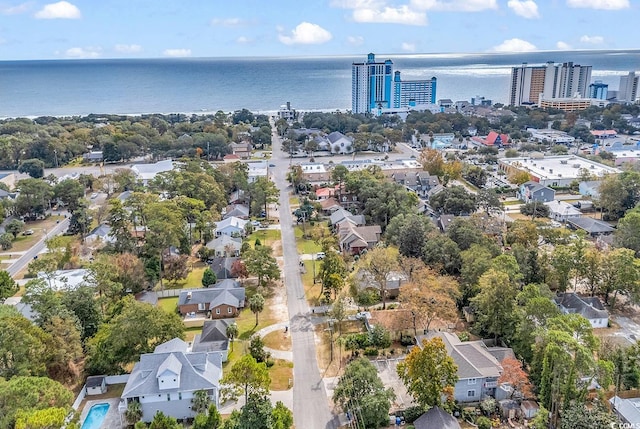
(167, 379)
(339, 143)
(231, 226)
(589, 307)
(146, 172)
(562, 211)
(225, 245)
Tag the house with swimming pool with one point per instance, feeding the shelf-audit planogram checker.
(167, 379)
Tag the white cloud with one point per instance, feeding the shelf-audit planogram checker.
(455, 5)
(228, 22)
(128, 49)
(15, 10)
(408, 47)
(177, 53)
(525, 8)
(563, 46)
(515, 45)
(244, 40)
(592, 40)
(599, 4)
(391, 15)
(60, 10)
(87, 52)
(306, 33)
(355, 40)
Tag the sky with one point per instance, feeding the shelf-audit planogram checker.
(74, 29)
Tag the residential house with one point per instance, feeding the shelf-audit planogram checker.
(100, 235)
(213, 338)
(329, 205)
(355, 239)
(147, 172)
(444, 221)
(533, 191)
(237, 197)
(562, 211)
(315, 173)
(529, 409)
(436, 418)
(93, 156)
(342, 215)
(232, 226)
(627, 410)
(230, 158)
(326, 192)
(478, 366)
(339, 143)
(65, 279)
(589, 307)
(167, 379)
(243, 150)
(420, 183)
(590, 188)
(225, 246)
(591, 226)
(222, 267)
(217, 301)
(395, 280)
(8, 179)
(236, 210)
(124, 196)
(257, 169)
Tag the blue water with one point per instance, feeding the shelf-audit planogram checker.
(79, 87)
(96, 416)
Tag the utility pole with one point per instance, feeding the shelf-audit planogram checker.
(55, 154)
(208, 153)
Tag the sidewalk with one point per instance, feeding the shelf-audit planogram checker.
(277, 354)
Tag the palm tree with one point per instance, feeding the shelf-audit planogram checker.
(133, 413)
(200, 401)
(256, 304)
(232, 333)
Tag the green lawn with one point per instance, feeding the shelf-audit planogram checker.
(267, 236)
(306, 245)
(311, 290)
(168, 304)
(246, 322)
(192, 281)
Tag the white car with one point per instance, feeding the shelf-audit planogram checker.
(320, 255)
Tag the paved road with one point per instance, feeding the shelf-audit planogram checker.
(310, 405)
(28, 256)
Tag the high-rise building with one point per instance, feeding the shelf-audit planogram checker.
(531, 84)
(598, 90)
(628, 90)
(374, 85)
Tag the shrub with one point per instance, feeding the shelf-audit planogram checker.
(411, 414)
(483, 422)
(380, 337)
(370, 351)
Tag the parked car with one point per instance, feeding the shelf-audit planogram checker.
(28, 232)
(320, 255)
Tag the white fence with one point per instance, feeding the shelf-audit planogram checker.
(168, 293)
(116, 379)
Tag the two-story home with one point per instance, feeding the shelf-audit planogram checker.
(342, 215)
(478, 366)
(533, 191)
(355, 239)
(589, 307)
(221, 301)
(167, 379)
(225, 246)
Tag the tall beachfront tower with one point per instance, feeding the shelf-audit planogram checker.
(374, 85)
(628, 90)
(371, 85)
(531, 84)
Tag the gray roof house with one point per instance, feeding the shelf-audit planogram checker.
(218, 301)
(339, 143)
(589, 307)
(591, 226)
(233, 226)
(478, 366)
(355, 239)
(100, 234)
(562, 211)
(225, 245)
(222, 266)
(533, 191)
(146, 172)
(237, 210)
(213, 338)
(167, 379)
(436, 418)
(628, 410)
(342, 215)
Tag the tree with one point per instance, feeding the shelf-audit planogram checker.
(332, 273)
(432, 161)
(6, 241)
(519, 177)
(256, 305)
(47, 418)
(620, 275)
(628, 232)
(8, 286)
(232, 332)
(34, 197)
(454, 200)
(495, 303)
(162, 421)
(379, 263)
(15, 227)
(360, 392)
(516, 377)
(175, 267)
(69, 192)
(28, 394)
(208, 277)
(260, 262)
(488, 200)
(428, 297)
(262, 193)
(535, 209)
(281, 416)
(65, 348)
(33, 167)
(23, 346)
(464, 232)
(429, 373)
(256, 413)
(146, 326)
(577, 416)
(442, 254)
(200, 401)
(246, 376)
(133, 414)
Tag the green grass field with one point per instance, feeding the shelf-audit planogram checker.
(267, 237)
(168, 304)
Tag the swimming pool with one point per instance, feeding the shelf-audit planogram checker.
(96, 416)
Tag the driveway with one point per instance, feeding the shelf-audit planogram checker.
(628, 329)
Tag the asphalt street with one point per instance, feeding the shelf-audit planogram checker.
(310, 404)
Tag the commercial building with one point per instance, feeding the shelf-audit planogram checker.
(598, 90)
(571, 104)
(550, 136)
(555, 170)
(628, 90)
(374, 85)
(531, 84)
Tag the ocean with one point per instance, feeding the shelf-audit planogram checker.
(136, 86)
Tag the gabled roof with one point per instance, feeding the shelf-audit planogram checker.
(339, 215)
(213, 337)
(214, 297)
(335, 136)
(330, 204)
(174, 345)
(629, 409)
(232, 221)
(472, 357)
(535, 186)
(237, 210)
(224, 241)
(592, 226)
(436, 418)
(587, 307)
(222, 265)
(196, 371)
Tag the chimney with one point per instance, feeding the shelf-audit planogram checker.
(188, 295)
